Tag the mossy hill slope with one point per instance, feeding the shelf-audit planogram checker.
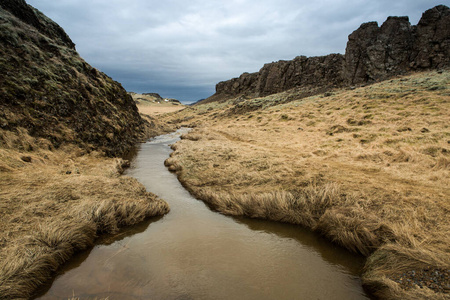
(47, 89)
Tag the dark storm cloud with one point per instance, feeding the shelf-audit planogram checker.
(181, 49)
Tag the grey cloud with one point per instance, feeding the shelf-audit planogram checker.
(181, 49)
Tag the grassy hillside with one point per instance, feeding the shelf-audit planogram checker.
(368, 168)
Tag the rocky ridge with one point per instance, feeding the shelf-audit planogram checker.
(48, 90)
(372, 54)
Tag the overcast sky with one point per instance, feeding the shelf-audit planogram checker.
(181, 49)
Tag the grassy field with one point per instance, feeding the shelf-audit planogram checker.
(154, 105)
(55, 202)
(366, 167)
(158, 109)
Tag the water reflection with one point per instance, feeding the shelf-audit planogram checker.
(330, 252)
(104, 240)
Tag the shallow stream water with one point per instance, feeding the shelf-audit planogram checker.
(194, 253)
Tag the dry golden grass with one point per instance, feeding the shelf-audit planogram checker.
(54, 203)
(368, 168)
(158, 109)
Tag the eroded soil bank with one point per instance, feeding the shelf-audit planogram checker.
(194, 253)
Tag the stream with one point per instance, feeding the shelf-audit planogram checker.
(195, 253)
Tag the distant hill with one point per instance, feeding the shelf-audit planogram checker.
(48, 90)
(373, 54)
(152, 98)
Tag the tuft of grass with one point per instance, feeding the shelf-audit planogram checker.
(55, 204)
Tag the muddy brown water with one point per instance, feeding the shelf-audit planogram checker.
(195, 253)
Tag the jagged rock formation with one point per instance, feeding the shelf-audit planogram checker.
(47, 89)
(302, 71)
(373, 53)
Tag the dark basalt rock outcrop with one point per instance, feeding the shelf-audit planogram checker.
(245, 83)
(302, 71)
(372, 54)
(375, 53)
(432, 44)
(49, 90)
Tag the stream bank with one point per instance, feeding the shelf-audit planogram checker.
(194, 253)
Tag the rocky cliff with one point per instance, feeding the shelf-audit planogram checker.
(47, 89)
(373, 53)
